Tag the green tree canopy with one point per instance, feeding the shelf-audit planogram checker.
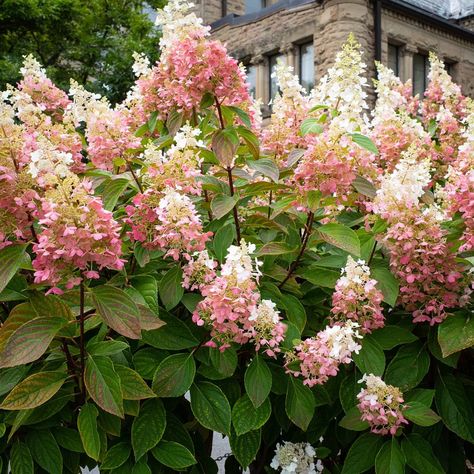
(91, 41)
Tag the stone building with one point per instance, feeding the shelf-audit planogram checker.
(308, 33)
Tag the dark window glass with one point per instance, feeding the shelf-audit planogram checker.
(393, 58)
(252, 79)
(252, 6)
(273, 87)
(306, 69)
(420, 73)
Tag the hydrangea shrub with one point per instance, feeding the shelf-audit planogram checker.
(171, 268)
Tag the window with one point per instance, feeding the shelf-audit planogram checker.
(252, 79)
(306, 65)
(252, 6)
(394, 58)
(272, 62)
(420, 73)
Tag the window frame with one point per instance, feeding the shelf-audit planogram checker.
(300, 45)
(426, 66)
(397, 47)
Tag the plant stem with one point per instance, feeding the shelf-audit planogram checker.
(372, 254)
(219, 113)
(270, 197)
(82, 340)
(234, 210)
(304, 243)
(135, 177)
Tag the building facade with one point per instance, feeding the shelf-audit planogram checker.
(308, 33)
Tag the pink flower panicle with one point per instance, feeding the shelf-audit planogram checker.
(318, 358)
(199, 271)
(357, 298)
(381, 405)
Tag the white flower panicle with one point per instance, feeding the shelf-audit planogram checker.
(342, 88)
(342, 341)
(178, 22)
(288, 82)
(406, 184)
(265, 314)
(354, 272)
(239, 264)
(439, 74)
(84, 104)
(48, 163)
(141, 65)
(178, 206)
(7, 112)
(31, 67)
(186, 138)
(296, 458)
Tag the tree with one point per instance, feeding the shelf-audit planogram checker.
(91, 41)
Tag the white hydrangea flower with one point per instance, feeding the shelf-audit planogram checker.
(186, 137)
(406, 184)
(296, 458)
(265, 313)
(177, 206)
(48, 162)
(354, 272)
(342, 340)
(141, 66)
(239, 263)
(31, 67)
(439, 74)
(84, 104)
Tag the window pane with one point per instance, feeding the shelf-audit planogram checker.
(252, 79)
(273, 80)
(307, 66)
(393, 59)
(252, 6)
(420, 72)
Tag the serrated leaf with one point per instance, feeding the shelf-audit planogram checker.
(224, 145)
(174, 375)
(352, 421)
(420, 414)
(45, 451)
(364, 186)
(222, 204)
(386, 283)
(276, 248)
(245, 447)
(258, 381)
(299, 403)
(171, 288)
(371, 358)
(311, 125)
(390, 458)
(116, 456)
(69, 439)
(148, 427)
(173, 455)
(456, 333)
(362, 453)
(267, 167)
(419, 455)
(30, 341)
(223, 238)
(34, 391)
(87, 426)
(133, 386)
(148, 288)
(117, 310)
(104, 348)
(391, 336)
(245, 417)
(340, 236)
(211, 407)
(364, 142)
(11, 258)
(112, 191)
(103, 384)
(21, 461)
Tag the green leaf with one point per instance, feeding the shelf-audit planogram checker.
(294, 310)
(453, 406)
(276, 248)
(245, 447)
(175, 335)
(389, 337)
(30, 341)
(117, 310)
(87, 426)
(421, 395)
(103, 384)
(21, 461)
(224, 145)
(364, 186)
(456, 333)
(173, 121)
(387, 284)
(364, 142)
(340, 236)
(371, 358)
(147, 360)
(299, 403)
(311, 125)
(11, 258)
(211, 407)
(390, 459)
(104, 348)
(224, 362)
(250, 140)
(148, 288)
(45, 451)
(409, 366)
(419, 455)
(223, 238)
(116, 456)
(173, 455)
(171, 289)
(34, 391)
(258, 381)
(133, 386)
(267, 167)
(349, 390)
(362, 453)
(420, 414)
(321, 276)
(176, 431)
(148, 427)
(113, 189)
(174, 375)
(69, 439)
(222, 204)
(352, 421)
(245, 417)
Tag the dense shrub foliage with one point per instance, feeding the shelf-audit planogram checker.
(170, 268)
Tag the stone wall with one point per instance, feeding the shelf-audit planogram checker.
(328, 23)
